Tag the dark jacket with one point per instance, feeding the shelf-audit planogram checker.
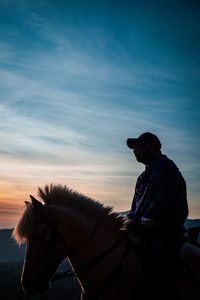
(160, 194)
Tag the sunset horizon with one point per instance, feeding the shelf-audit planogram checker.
(78, 79)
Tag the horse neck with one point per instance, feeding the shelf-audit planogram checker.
(71, 225)
(76, 226)
(87, 237)
(93, 276)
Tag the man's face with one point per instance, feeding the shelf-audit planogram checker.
(145, 151)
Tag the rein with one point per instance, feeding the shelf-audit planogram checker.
(68, 273)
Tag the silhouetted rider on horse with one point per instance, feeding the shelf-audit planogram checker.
(159, 210)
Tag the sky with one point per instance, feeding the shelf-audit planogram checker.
(77, 78)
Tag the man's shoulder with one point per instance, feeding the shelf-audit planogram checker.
(167, 162)
(168, 166)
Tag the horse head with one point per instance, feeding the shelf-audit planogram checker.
(44, 251)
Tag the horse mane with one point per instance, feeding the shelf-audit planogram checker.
(24, 225)
(63, 196)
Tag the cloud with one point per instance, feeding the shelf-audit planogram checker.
(71, 95)
(7, 52)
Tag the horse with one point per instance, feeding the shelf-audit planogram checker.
(106, 261)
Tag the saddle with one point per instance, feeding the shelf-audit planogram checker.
(189, 254)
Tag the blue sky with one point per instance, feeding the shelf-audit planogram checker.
(78, 78)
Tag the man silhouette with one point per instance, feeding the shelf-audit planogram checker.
(159, 208)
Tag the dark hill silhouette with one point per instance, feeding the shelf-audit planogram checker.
(192, 223)
(9, 250)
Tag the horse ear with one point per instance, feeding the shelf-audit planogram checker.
(27, 203)
(35, 202)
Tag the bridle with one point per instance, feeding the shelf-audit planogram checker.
(53, 233)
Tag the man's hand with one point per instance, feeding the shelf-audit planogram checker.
(131, 225)
(148, 223)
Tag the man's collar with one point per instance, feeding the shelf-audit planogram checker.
(154, 160)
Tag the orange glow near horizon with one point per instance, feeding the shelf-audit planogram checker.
(12, 205)
(19, 180)
(12, 199)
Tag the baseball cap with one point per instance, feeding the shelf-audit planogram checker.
(146, 137)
